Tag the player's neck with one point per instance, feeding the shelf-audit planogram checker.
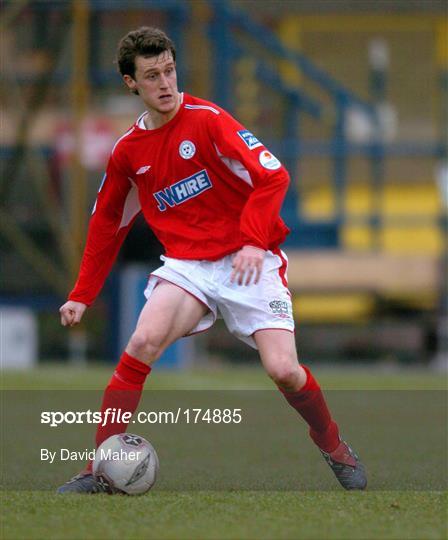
(156, 119)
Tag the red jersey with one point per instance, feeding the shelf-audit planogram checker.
(205, 185)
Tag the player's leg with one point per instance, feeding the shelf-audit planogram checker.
(169, 314)
(279, 357)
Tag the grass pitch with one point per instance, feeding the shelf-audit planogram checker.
(260, 514)
(245, 515)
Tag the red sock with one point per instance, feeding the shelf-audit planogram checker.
(123, 392)
(310, 403)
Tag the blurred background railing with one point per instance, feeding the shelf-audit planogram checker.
(352, 100)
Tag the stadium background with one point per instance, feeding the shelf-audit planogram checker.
(351, 96)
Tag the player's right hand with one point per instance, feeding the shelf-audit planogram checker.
(71, 313)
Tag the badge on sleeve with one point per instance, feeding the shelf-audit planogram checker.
(250, 139)
(268, 160)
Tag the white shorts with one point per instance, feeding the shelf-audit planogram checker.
(245, 309)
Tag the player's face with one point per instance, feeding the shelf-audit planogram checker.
(156, 82)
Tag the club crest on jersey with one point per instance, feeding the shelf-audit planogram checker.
(187, 149)
(250, 139)
(183, 190)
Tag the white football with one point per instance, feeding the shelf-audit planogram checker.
(126, 463)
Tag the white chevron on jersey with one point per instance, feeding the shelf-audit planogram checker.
(207, 107)
(121, 138)
(236, 167)
(131, 206)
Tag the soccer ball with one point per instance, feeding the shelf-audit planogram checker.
(126, 463)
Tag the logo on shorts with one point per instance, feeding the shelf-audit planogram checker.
(268, 160)
(250, 139)
(183, 190)
(187, 149)
(280, 308)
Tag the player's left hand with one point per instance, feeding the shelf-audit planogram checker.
(247, 265)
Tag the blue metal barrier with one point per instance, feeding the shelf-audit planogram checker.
(225, 19)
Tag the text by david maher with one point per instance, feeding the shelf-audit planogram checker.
(64, 454)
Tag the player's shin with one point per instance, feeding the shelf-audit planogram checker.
(122, 395)
(310, 403)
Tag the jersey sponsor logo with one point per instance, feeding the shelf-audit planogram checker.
(183, 190)
(187, 149)
(143, 169)
(268, 160)
(250, 139)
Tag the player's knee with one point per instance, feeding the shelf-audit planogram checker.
(287, 376)
(144, 346)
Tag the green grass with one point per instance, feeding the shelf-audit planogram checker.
(238, 514)
(212, 515)
(60, 376)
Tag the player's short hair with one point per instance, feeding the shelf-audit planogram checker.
(145, 41)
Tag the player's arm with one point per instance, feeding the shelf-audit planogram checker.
(114, 212)
(270, 181)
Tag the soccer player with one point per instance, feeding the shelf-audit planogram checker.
(212, 194)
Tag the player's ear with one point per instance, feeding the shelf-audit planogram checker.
(130, 83)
